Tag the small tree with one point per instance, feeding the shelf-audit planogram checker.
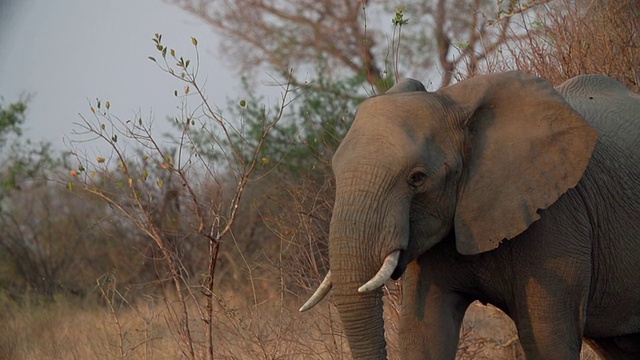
(156, 186)
(23, 160)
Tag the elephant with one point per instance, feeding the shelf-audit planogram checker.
(501, 189)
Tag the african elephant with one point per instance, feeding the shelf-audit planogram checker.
(500, 189)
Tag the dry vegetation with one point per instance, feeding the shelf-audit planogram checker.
(150, 292)
(583, 37)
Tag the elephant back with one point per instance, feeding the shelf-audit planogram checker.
(609, 106)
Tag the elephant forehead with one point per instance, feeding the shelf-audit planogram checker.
(400, 118)
(396, 130)
(416, 110)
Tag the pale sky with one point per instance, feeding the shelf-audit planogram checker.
(65, 52)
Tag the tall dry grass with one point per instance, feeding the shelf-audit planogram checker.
(63, 330)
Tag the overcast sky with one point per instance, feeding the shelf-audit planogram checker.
(66, 52)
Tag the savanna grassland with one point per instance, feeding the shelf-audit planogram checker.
(204, 245)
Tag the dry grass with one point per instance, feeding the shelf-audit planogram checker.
(271, 330)
(65, 331)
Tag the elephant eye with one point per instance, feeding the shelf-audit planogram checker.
(417, 178)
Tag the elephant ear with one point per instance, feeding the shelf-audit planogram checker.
(524, 146)
(406, 85)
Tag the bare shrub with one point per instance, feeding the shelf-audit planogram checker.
(153, 188)
(566, 38)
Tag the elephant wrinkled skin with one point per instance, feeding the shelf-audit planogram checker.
(500, 189)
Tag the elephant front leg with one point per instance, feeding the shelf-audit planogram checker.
(431, 317)
(550, 318)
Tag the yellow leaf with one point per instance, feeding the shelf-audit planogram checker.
(73, 173)
(107, 105)
(194, 41)
(70, 186)
(130, 181)
(186, 90)
(100, 159)
(265, 160)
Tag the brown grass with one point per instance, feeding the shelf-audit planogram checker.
(269, 331)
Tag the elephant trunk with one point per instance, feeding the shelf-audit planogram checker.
(360, 312)
(366, 236)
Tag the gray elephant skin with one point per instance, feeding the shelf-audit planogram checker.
(500, 189)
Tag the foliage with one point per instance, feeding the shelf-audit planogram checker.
(308, 133)
(11, 119)
(23, 160)
(29, 260)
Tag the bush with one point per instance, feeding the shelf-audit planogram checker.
(571, 38)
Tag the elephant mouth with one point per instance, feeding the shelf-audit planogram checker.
(398, 271)
(391, 268)
(401, 267)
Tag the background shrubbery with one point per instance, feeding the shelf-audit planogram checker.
(207, 247)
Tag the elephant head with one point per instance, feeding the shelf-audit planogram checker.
(475, 160)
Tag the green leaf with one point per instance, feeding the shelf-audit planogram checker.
(152, 58)
(399, 19)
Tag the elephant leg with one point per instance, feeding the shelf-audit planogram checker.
(550, 321)
(431, 317)
(618, 348)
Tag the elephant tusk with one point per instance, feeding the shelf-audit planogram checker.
(390, 263)
(320, 293)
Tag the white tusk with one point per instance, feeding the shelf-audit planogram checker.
(390, 263)
(320, 293)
